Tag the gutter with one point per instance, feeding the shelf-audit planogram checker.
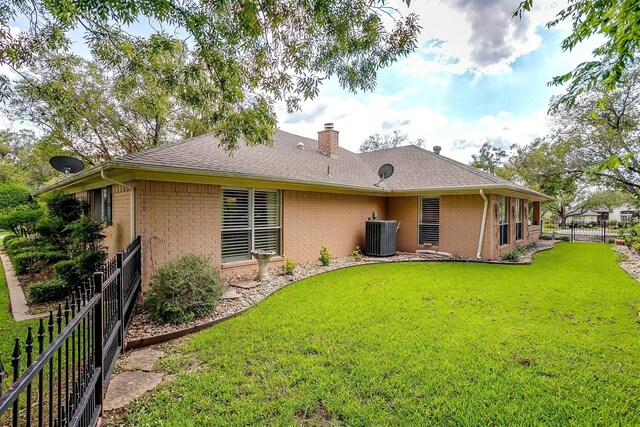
(132, 202)
(484, 222)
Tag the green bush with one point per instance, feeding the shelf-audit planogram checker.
(50, 290)
(512, 256)
(357, 254)
(564, 238)
(325, 256)
(12, 195)
(8, 238)
(17, 244)
(65, 206)
(22, 219)
(545, 237)
(32, 260)
(88, 262)
(288, 265)
(183, 289)
(611, 240)
(86, 235)
(51, 229)
(66, 271)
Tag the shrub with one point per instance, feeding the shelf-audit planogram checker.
(357, 254)
(66, 271)
(51, 229)
(22, 219)
(50, 290)
(512, 256)
(183, 289)
(17, 244)
(611, 240)
(325, 256)
(288, 265)
(12, 195)
(32, 260)
(65, 207)
(86, 235)
(86, 263)
(545, 237)
(564, 238)
(8, 238)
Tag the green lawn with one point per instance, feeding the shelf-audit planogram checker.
(554, 343)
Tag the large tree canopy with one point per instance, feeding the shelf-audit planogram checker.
(240, 58)
(617, 22)
(602, 135)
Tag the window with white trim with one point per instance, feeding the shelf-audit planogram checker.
(250, 221)
(504, 220)
(429, 221)
(100, 204)
(518, 214)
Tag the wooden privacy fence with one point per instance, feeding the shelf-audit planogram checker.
(75, 350)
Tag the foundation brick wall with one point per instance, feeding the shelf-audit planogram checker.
(175, 219)
(312, 219)
(405, 210)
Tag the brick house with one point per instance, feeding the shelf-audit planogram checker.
(297, 195)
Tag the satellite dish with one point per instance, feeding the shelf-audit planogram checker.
(66, 165)
(384, 172)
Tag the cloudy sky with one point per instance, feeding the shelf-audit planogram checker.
(478, 74)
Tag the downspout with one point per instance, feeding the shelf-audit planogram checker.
(132, 202)
(484, 222)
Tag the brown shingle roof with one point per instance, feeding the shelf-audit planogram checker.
(415, 168)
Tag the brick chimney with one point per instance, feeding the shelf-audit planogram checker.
(328, 141)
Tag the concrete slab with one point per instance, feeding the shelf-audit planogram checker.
(126, 386)
(19, 306)
(246, 285)
(141, 360)
(231, 294)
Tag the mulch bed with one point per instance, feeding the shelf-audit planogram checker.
(142, 327)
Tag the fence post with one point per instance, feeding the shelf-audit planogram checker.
(119, 264)
(98, 335)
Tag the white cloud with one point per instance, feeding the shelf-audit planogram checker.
(479, 36)
(459, 139)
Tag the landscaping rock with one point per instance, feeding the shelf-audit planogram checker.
(141, 360)
(231, 294)
(126, 386)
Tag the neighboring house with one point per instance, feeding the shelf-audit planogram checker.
(297, 195)
(624, 214)
(588, 217)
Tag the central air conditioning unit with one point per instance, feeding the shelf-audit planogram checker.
(380, 238)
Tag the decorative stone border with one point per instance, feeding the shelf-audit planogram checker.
(164, 337)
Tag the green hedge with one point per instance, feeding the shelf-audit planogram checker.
(50, 290)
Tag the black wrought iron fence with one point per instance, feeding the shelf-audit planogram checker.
(75, 350)
(598, 232)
